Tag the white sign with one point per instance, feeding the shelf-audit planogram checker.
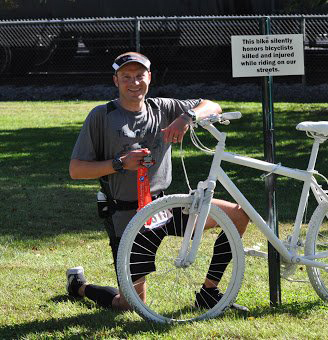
(267, 55)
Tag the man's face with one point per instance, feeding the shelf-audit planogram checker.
(132, 81)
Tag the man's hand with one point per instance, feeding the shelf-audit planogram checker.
(80, 169)
(176, 130)
(132, 159)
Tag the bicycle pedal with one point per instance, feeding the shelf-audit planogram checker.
(254, 252)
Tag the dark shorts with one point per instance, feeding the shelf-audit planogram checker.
(142, 260)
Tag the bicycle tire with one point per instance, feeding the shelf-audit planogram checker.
(172, 298)
(317, 241)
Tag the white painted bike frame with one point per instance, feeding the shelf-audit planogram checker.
(217, 173)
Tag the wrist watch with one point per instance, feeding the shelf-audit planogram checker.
(192, 114)
(118, 165)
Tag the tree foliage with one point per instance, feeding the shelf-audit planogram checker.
(306, 6)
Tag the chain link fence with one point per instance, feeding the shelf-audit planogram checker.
(182, 49)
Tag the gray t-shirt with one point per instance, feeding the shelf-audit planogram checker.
(109, 130)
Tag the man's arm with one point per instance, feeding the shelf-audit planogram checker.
(90, 169)
(177, 129)
(206, 108)
(79, 169)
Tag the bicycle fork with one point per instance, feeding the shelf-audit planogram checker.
(199, 210)
(198, 214)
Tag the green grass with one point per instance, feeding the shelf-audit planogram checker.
(49, 223)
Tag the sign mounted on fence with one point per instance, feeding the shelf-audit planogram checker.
(267, 55)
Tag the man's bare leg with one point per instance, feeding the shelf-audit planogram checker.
(119, 301)
(240, 220)
(235, 213)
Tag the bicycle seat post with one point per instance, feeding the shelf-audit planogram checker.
(318, 131)
(314, 153)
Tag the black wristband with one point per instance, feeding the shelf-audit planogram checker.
(192, 114)
(118, 165)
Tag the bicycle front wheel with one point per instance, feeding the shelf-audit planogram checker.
(317, 245)
(150, 255)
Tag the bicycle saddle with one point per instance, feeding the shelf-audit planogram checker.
(320, 128)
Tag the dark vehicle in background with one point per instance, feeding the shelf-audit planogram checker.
(70, 37)
(53, 39)
(42, 9)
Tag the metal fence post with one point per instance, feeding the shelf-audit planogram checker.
(137, 33)
(303, 31)
(269, 153)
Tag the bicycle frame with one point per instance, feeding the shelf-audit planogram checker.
(217, 173)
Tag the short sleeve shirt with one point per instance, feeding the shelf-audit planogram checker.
(110, 131)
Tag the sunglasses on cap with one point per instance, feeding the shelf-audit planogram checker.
(131, 58)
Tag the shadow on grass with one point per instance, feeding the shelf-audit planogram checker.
(88, 324)
(296, 309)
(102, 319)
(37, 193)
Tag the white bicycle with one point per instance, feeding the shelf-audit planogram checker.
(174, 261)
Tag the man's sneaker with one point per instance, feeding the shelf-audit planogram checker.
(209, 297)
(75, 279)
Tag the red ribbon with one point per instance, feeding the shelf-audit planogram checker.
(144, 196)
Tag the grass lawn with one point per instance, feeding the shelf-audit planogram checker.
(49, 223)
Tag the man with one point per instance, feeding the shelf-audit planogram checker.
(112, 143)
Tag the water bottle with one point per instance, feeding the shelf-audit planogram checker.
(102, 204)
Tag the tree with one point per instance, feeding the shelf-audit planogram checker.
(306, 6)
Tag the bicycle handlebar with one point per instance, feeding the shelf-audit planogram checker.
(223, 118)
(231, 115)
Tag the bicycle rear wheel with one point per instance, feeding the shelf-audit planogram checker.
(152, 254)
(316, 243)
